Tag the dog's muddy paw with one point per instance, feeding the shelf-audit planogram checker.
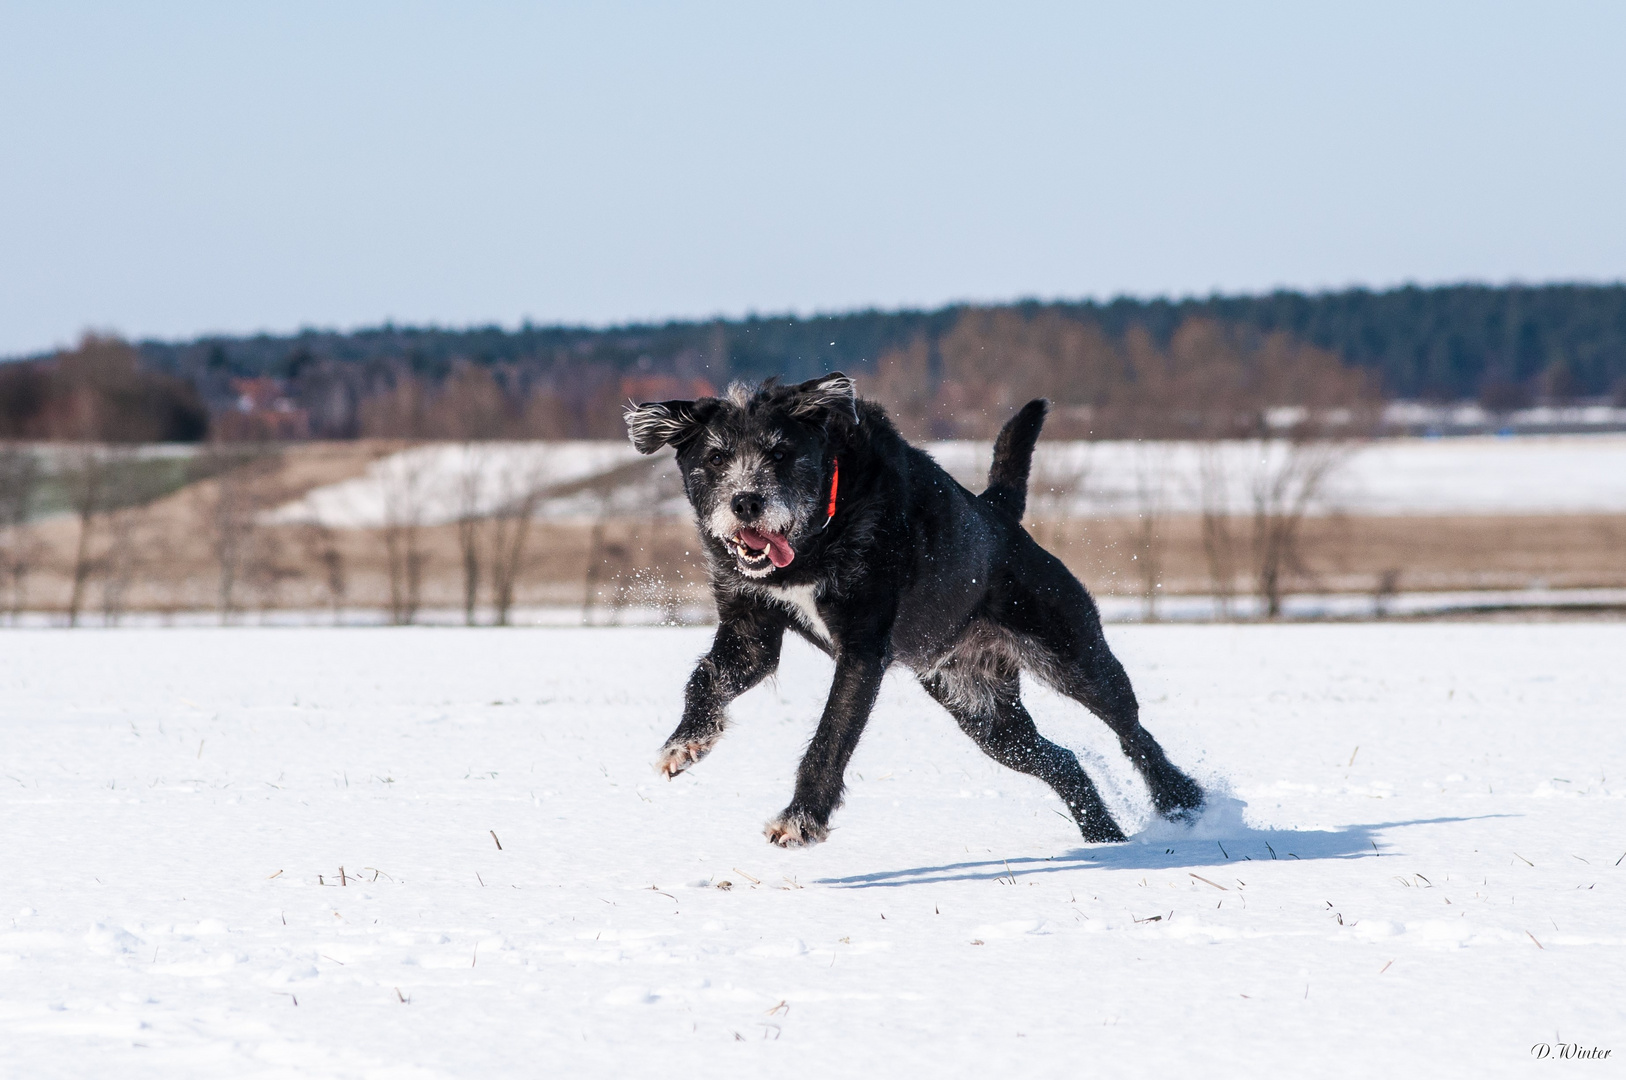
(795, 828)
(677, 756)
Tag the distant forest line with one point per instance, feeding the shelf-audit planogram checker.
(1119, 365)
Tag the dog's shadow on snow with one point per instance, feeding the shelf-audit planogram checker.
(1219, 838)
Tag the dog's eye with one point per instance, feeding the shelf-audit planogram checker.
(717, 457)
(778, 455)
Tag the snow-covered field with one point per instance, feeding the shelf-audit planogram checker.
(1418, 866)
(1559, 474)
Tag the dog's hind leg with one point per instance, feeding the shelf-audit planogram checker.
(991, 712)
(744, 652)
(1080, 665)
(1062, 642)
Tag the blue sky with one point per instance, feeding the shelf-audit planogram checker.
(168, 169)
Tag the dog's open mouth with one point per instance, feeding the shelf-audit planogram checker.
(758, 550)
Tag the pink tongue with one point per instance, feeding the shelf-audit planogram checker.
(779, 552)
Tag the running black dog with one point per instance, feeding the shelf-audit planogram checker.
(816, 516)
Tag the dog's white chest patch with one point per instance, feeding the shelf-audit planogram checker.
(799, 598)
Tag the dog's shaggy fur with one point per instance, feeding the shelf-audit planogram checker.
(911, 568)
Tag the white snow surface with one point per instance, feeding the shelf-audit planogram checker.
(436, 484)
(1412, 862)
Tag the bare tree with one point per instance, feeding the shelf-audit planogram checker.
(1287, 482)
(231, 525)
(322, 547)
(122, 561)
(903, 383)
(84, 476)
(471, 523)
(268, 572)
(606, 561)
(244, 552)
(1060, 476)
(107, 488)
(1152, 474)
(522, 483)
(1282, 479)
(1298, 412)
(1384, 591)
(471, 406)
(401, 476)
(19, 483)
(1220, 544)
(131, 484)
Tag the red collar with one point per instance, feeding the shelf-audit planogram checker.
(835, 478)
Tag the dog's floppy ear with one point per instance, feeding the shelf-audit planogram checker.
(655, 424)
(829, 394)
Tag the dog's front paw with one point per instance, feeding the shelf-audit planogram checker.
(677, 756)
(795, 828)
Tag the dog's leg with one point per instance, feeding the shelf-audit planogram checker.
(1086, 671)
(1061, 641)
(991, 712)
(744, 652)
(820, 777)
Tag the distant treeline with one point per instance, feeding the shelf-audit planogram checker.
(99, 392)
(1503, 346)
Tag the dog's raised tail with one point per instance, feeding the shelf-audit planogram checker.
(1013, 457)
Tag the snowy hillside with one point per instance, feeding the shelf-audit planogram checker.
(275, 853)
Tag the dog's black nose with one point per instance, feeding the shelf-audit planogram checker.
(747, 506)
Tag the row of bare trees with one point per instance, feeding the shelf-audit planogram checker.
(1252, 499)
(119, 548)
(1269, 417)
(107, 489)
(1281, 488)
(1208, 380)
(498, 492)
(471, 404)
(1298, 411)
(109, 492)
